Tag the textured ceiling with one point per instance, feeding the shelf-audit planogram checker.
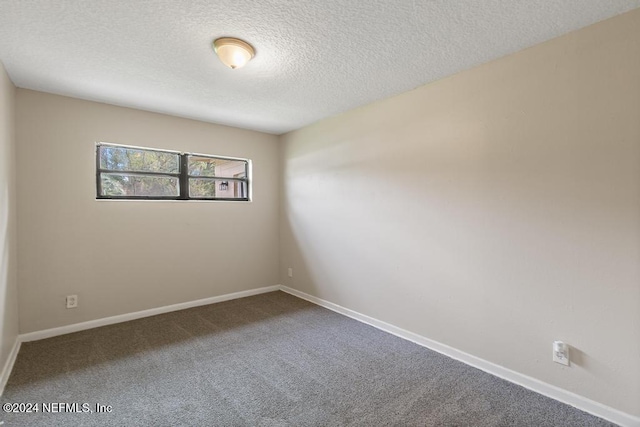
(314, 59)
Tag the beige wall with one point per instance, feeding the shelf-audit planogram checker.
(494, 211)
(126, 256)
(8, 227)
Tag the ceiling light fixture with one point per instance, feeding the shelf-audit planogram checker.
(234, 53)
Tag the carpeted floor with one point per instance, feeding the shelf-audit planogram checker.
(267, 360)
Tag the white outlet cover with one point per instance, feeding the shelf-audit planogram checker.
(72, 301)
(561, 353)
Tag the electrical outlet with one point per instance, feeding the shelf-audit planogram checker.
(72, 301)
(290, 272)
(561, 353)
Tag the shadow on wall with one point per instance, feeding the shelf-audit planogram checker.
(354, 220)
(445, 227)
(8, 297)
(5, 254)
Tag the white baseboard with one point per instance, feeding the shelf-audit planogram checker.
(76, 327)
(564, 396)
(8, 366)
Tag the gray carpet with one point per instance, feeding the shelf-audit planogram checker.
(267, 360)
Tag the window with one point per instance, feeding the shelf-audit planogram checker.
(145, 173)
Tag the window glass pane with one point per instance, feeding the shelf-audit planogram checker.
(217, 188)
(136, 160)
(113, 184)
(209, 166)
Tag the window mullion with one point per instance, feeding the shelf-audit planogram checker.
(98, 174)
(140, 173)
(184, 177)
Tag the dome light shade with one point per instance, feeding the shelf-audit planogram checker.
(234, 53)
